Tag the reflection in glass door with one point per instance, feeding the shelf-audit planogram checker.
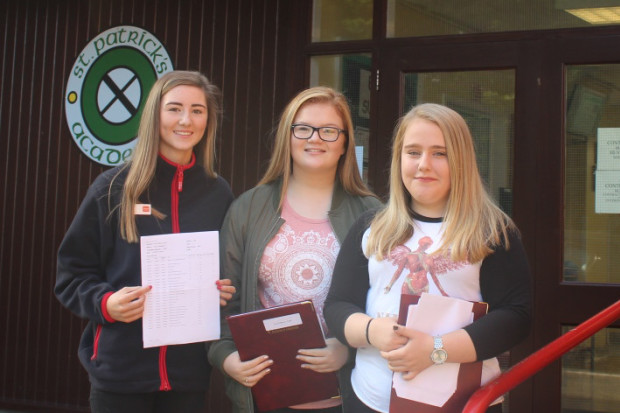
(591, 371)
(486, 100)
(592, 175)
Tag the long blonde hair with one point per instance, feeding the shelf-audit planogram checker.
(281, 166)
(144, 159)
(473, 223)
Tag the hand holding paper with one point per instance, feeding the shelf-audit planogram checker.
(127, 304)
(412, 358)
(226, 290)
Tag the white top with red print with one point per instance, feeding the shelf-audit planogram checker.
(410, 268)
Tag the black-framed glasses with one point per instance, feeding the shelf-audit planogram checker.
(326, 133)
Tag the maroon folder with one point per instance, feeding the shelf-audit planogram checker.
(280, 332)
(468, 380)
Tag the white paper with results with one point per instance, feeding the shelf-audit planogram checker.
(184, 304)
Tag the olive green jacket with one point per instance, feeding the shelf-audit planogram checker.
(251, 222)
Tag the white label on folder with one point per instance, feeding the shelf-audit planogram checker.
(284, 321)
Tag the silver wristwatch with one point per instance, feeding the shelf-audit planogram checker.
(439, 354)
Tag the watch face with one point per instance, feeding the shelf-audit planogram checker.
(439, 356)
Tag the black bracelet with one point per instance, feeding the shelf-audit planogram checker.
(367, 330)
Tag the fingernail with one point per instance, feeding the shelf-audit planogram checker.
(217, 282)
(219, 287)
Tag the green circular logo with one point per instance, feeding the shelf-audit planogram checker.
(107, 89)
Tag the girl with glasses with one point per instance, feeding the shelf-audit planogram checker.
(280, 240)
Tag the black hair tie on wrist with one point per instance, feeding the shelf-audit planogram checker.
(367, 330)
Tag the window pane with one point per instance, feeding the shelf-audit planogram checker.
(408, 18)
(591, 374)
(349, 74)
(592, 175)
(338, 20)
(486, 100)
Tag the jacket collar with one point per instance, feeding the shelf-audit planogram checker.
(191, 163)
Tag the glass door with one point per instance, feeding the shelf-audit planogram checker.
(478, 81)
(591, 371)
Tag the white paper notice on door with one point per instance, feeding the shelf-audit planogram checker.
(184, 304)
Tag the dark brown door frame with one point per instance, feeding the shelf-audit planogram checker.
(559, 303)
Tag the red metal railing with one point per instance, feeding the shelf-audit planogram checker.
(529, 366)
